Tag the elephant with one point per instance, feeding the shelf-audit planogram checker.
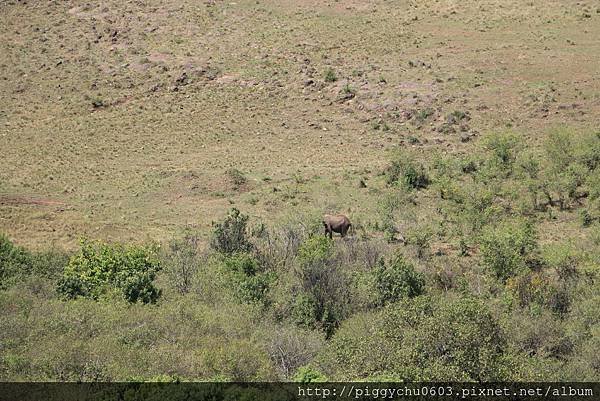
(336, 223)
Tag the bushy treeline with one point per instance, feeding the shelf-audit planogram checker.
(474, 288)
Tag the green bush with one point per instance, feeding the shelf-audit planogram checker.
(15, 262)
(503, 149)
(229, 236)
(304, 311)
(330, 75)
(568, 165)
(509, 248)
(99, 268)
(250, 282)
(419, 339)
(404, 170)
(396, 280)
(324, 285)
(316, 249)
(308, 374)
(420, 237)
(588, 151)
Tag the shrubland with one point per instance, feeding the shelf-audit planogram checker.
(477, 291)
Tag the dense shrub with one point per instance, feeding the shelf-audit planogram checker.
(503, 149)
(15, 262)
(99, 268)
(324, 286)
(229, 236)
(396, 280)
(416, 339)
(249, 280)
(509, 248)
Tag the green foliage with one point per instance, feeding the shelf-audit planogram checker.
(304, 311)
(330, 75)
(314, 250)
(322, 296)
(99, 268)
(308, 374)
(229, 236)
(536, 290)
(509, 248)
(567, 167)
(587, 151)
(424, 114)
(396, 280)
(503, 148)
(15, 262)
(404, 170)
(419, 339)
(251, 283)
(420, 237)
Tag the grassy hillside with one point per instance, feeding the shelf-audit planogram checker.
(461, 138)
(122, 120)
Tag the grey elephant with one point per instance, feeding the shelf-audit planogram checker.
(336, 223)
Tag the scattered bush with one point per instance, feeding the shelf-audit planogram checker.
(237, 177)
(420, 238)
(229, 236)
(250, 282)
(330, 75)
(504, 149)
(407, 172)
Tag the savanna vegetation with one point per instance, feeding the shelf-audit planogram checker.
(471, 295)
(165, 166)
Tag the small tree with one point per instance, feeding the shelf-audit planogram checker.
(229, 236)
